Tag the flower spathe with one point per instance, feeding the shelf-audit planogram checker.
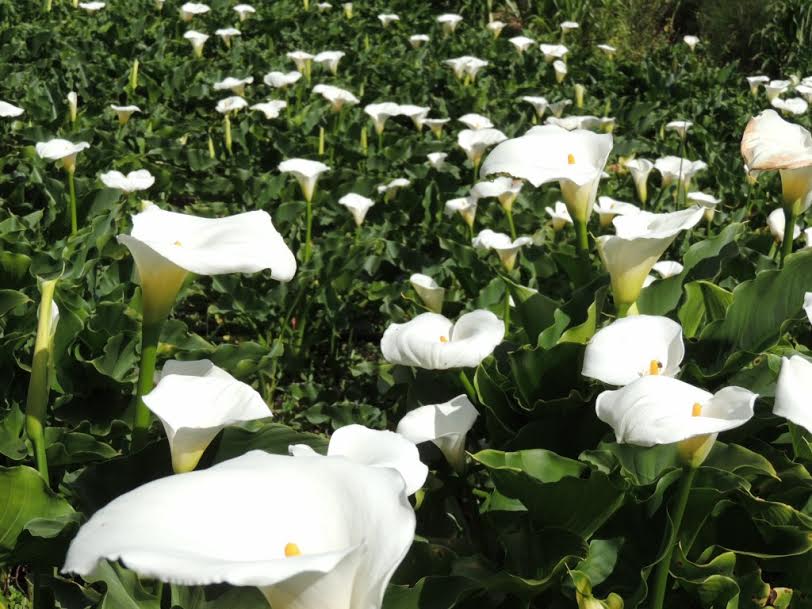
(8, 110)
(557, 108)
(777, 223)
(539, 104)
(675, 169)
(338, 97)
(658, 409)
(244, 11)
(194, 400)
(375, 448)
(357, 205)
(231, 104)
(691, 41)
(794, 105)
(309, 532)
(134, 181)
(429, 291)
(92, 7)
(640, 170)
(560, 70)
(608, 208)
(505, 190)
(502, 244)
(559, 214)
(522, 43)
(387, 18)
(475, 142)
(61, 150)
(640, 241)
(226, 34)
(280, 80)
(793, 393)
(418, 40)
(449, 22)
(124, 112)
(197, 39)
(545, 154)
(301, 59)
(437, 159)
(475, 122)
(189, 10)
(433, 342)
(380, 113)
(633, 347)
(446, 425)
(306, 173)
(667, 268)
(329, 59)
(167, 245)
(681, 128)
(465, 206)
(774, 88)
(552, 52)
(608, 49)
(754, 82)
(570, 123)
(236, 85)
(271, 109)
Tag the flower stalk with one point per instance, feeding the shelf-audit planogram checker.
(227, 127)
(134, 76)
(150, 333)
(72, 200)
(789, 232)
(36, 406)
(581, 237)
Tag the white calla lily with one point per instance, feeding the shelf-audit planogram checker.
(674, 169)
(191, 9)
(301, 59)
(437, 159)
(607, 208)
(568, 26)
(502, 244)
(449, 22)
(134, 181)
(632, 347)
(754, 82)
(306, 173)
(167, 245)
(522, 43)
(380, 113)
(244, 11)
(280, 80)
(235, 85)
(465, 206)
(667, 268)
(195, 400)
(539, 104)
(560, 215)
(357, 205)
(418, 114)
(641, 239)
(681, 128)
(496, 27)
(777, 224)
(92, 7)
(387, 18)
(329, 59)
(560, 70)
(309, 532)
(446, 425)
(557, 108)
(8, 110)
(708, 202)
(226, 34)
(505, 190)
(197, 40)
(808, 305)
(640, 170)
(608, 49)
(429, 291)
(61, 150)
(552, 52)
(124, 112)
(436, 125)
(434, 342)
(475, 122)
(231, 104)
(570, 123)
(794, 105)
(774, 88)
(374, 448)
(793, 393)
(390, 189)
(271, 109)
(475, 142)
(691, 41)
(338, 97)
(418, 40)
(466, 67)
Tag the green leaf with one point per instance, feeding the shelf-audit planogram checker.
(9, 299)
(704, 301)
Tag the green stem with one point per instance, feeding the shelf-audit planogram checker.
(506, 310)
(581, 237)
(308, 230)
(72, 203)
(380, 141)
(509, 213)
(789, 233)
(227, 127)
(469, 388)
(36, 407)
(622, 309)
(150, 334)
(661, 575)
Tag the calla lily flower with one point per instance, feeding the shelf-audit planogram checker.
(244, 11)
(607, 208)
(522, 43)
(166, 246)
(777, 223)
(496, 27)
(680, 127)
(271, 109)
(446, 425)
(475, 143)
(132, 182)
(505, 247)
(560, 215)
(198, 39)
(557, 108)
(380, 113)
(795, 105)
(552, 52)
(667, 268)
(805, 91)
(674, 169)
(658, 409)
(632, 347)
(194, 401)
(124, 112)
(539, 104)
(324, 6)
(774, 88)
(8, 110)
(504, 189)
(418, 40)
(449, 22)
(580, 92)
(437, 159)
(189, 10)
(358, 206)
(691, 41)
(73, 105)
(571, 123)
(61, 150)
(418, 114)
(226, 34)
(640, 241)
(754, 82)
(337, 97)
(329, 59)
(347, 9)
(231, 104)
(306, 173)
(560, 70)
(465, 206)
(793, 391)
(640, 170)
(709, 202)
(301, 60)
(392, 187)
(92, 7)
(374, 448)
(568, 26)
(309, 532)
(433, 342)
(545, 154)
(436, 125)
(466, 66)
(429, 291)
(770, 143)
(475, 121)
(387, 18)
(280, 80)
(608, 49)
(236, 85)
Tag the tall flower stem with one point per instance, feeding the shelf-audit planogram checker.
(36, 406)
(72, 202)
(506, 310)
(661, 575)
(581, 237)
(227, 127)
(308, 230)
(150, 333)
(789, 233)
(509, 213)
(469, 388)
(681, 187)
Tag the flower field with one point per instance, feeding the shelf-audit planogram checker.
(399, 305)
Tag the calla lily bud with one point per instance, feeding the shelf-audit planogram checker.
(429, 291)
(73, 104)
(580, 91)
(348, 10)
